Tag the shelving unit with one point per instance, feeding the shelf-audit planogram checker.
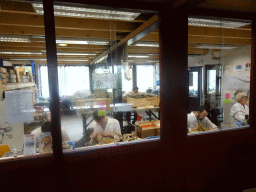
(13, 86)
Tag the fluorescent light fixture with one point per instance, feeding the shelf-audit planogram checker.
(138, 56)
(146, 45)
(82, 42)
(20, 53)
(77, 60)
(14, 38)
(63, 44)
(216, 47)
(216, 23)
(88, 12)
(76, 54)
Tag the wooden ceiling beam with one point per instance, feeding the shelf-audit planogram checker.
(28, 19)
(39, 31)
(218, 40)
(220, 32)
(153, 20)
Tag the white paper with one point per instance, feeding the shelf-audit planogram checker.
(19, 106)
(238, 81)
(29, 145)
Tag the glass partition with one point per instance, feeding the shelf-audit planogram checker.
(103, 55)
(23, 127)
(221, 47)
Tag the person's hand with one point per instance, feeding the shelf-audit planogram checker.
(95, 137)
(107, 135)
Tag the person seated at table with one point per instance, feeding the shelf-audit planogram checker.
(239, 111)
(198, 120)
(46, 127)
(103, 126)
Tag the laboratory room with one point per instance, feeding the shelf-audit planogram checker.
(108, 78)
(219, 67)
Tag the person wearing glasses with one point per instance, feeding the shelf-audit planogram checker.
(103, 126)
(239, 112)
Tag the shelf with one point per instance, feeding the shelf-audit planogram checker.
(12, 86)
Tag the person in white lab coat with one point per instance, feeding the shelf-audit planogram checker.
(46, 127)
(200, 116)
(104, 126)
(239, 111)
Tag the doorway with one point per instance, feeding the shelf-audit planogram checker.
(195, 87)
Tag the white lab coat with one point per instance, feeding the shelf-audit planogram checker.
(38, 131)
(193, 122)
(237, 113)
(112, 127)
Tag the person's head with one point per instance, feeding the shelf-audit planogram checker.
(135, 89)
(238, 91)
(242, 98)
(203, 112)
(46, 127)
(101, 120)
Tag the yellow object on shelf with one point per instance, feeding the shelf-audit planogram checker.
(4, 149)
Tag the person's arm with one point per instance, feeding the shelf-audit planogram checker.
(65, 136)
(210, 124)
(237, 113)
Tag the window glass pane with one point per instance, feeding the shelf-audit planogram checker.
(97, 74)
(219, 49)
(145, 77)
(22, 52)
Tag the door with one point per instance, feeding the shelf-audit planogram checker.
(195, 87)
(212, 92)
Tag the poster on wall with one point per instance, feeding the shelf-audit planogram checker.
(238, 68)
(19, 106)
(238, 81)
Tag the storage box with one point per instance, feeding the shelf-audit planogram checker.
(11, 71)
(147, 131)
(3, 70)
(13, 76)
(3, 76)
(29, 73)
(4, 81)
(141, 102)
(13, 80)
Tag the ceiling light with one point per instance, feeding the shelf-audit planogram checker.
(138, 56)
(76, 54)
(46, 60)
(14, 38)
(63, 44)
(216, 23)
(215, 47)
(87, 12)
(146, 45)
(83, 42)
(20, 53)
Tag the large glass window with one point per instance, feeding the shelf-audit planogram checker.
(22, 50)
(219, 54)
(105, 62)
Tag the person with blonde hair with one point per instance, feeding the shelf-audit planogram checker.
(239, 112)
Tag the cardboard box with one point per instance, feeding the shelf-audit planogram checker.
(29, 73)
(141, 102)
(3, 70)
(3, 76)
(13, 80)
(148, 131)
(13, 76)
(4, 81)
